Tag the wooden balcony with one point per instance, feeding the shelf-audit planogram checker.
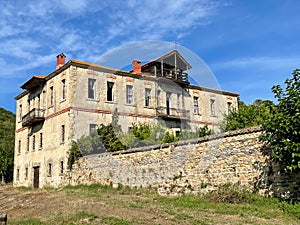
(178, 76)
(33, 117)
(173, 113)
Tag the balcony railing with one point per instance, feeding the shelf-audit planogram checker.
(34, 116)
(176, 76)
(173, 113)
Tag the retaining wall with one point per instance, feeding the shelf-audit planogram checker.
(196, 165)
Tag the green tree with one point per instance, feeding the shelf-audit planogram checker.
(74, 154)
(109, 138)
(7, 140)
(282, 130)
(248, 115)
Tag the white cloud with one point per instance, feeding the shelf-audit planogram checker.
(87, 28)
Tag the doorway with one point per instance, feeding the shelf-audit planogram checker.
(36, 177)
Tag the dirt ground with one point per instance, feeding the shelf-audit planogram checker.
(57, 206)
(47, 205)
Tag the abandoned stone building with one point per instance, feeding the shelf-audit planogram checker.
(71, 101)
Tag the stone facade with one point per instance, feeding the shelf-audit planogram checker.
(193, 166)
(68, 103)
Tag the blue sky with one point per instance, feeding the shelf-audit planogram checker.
(249, 45)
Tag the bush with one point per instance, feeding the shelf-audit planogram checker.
(229, 193)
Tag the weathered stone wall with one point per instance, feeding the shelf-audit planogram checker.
(197, 166)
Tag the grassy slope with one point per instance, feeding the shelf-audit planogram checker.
(97, 204)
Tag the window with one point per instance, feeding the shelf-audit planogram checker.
(129, 99)
(39, 101)
(91, 88)
(49, 169)
(158, 98)
(44, 99)
(33, 142)
(26, 172)
(212, 107)
(18, 174)
(19, 147)
(20, 112)
(196, 106)
(229, 107)
(178, 101)
(109, 95)
(51, 95)
(63, 94)
(93, 127)
(147, 96)
(28, 140)
(129, 129)
(41, 140)
(61, 167)
(62, 133)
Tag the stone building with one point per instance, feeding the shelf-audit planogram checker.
(71, 101)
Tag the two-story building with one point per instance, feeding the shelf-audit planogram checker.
(71, 101)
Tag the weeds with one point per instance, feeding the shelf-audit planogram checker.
(231, 194)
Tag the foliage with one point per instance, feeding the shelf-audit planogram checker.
(200, 132)
(109, 138)
(282, 130)
(109, 135)
(141, 130)
(230, 193)
(248, 115)
(291, 209)
(169, 137)
(7, 140)
(139, 135)
(74, 154)
(143, 134)
(204, 131)
(90, 144)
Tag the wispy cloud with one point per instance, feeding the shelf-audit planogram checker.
(88, 28)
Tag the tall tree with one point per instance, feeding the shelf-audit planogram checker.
(282, 130)
(7, 140)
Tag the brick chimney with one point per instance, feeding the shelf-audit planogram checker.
(60, 60)
(137, 68)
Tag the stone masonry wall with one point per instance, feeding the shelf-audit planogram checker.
(192, 166)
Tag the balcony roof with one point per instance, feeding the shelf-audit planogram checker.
(33, 82)
(169, 59)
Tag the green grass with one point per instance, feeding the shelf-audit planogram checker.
(230, 201)
(111, 220)
(80, 217)
(211, 208)
(97, 190)
(29, 221)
